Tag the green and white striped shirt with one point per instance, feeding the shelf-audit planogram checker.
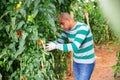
(81, 43)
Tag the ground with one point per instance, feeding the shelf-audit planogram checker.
(105, 59)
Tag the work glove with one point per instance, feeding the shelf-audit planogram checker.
(50, 46)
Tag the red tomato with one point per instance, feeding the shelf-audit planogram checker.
(39, 43)
(19, 33)
(42, 66)
(23, 78)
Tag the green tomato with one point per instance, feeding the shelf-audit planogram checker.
(30, 18)
(61, 60)
(1, 63)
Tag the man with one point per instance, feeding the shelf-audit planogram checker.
(81, 43)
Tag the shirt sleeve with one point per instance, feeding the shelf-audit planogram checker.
(62, 38)
(78, 40)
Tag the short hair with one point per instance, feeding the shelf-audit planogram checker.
(64, 15)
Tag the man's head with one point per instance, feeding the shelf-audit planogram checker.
(66, 21)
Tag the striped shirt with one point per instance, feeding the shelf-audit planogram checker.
(81, 43)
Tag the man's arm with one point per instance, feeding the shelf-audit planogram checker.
(74, 46)
(62, 38)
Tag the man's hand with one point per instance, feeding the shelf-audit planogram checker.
(50, 46)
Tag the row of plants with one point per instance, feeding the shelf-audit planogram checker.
(25, 27)
(99, 24)
(116, 67)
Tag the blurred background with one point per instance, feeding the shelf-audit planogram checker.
(27, 25)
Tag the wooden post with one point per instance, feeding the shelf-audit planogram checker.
(71, 62)
(71, 53)
(86, 17)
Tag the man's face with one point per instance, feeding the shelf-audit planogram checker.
(65, 24)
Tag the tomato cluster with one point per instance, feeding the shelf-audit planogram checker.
(19, 33)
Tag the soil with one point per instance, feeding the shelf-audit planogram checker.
(105, 59)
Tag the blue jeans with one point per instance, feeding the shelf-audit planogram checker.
(82, 71)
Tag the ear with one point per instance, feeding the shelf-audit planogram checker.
(68, 19)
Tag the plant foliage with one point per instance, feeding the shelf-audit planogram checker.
(116, 67)
(25, 27)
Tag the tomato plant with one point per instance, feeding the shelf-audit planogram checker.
(100, 28)
(39, 43)
(26, 26)
(116, 67)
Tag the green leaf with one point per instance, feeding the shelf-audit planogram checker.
(118, 53)
(11, 1)
(13, 19)
(0, 76)
(19, 51)
(52, 23)
(29, 29)
(35, 12)
(20, 24)
(1, 63)
(14, 36)
(52, 7)
(28, 3)
(3, 53)
(21, 46)
(7, 28)
(34, 35)
(23, 12)
(16, 75)
(36, 3)
(9, 65)
(61, 1)
(12, 46)
(1, 26)
(31, 66)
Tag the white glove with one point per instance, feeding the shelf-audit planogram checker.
(50, 46)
